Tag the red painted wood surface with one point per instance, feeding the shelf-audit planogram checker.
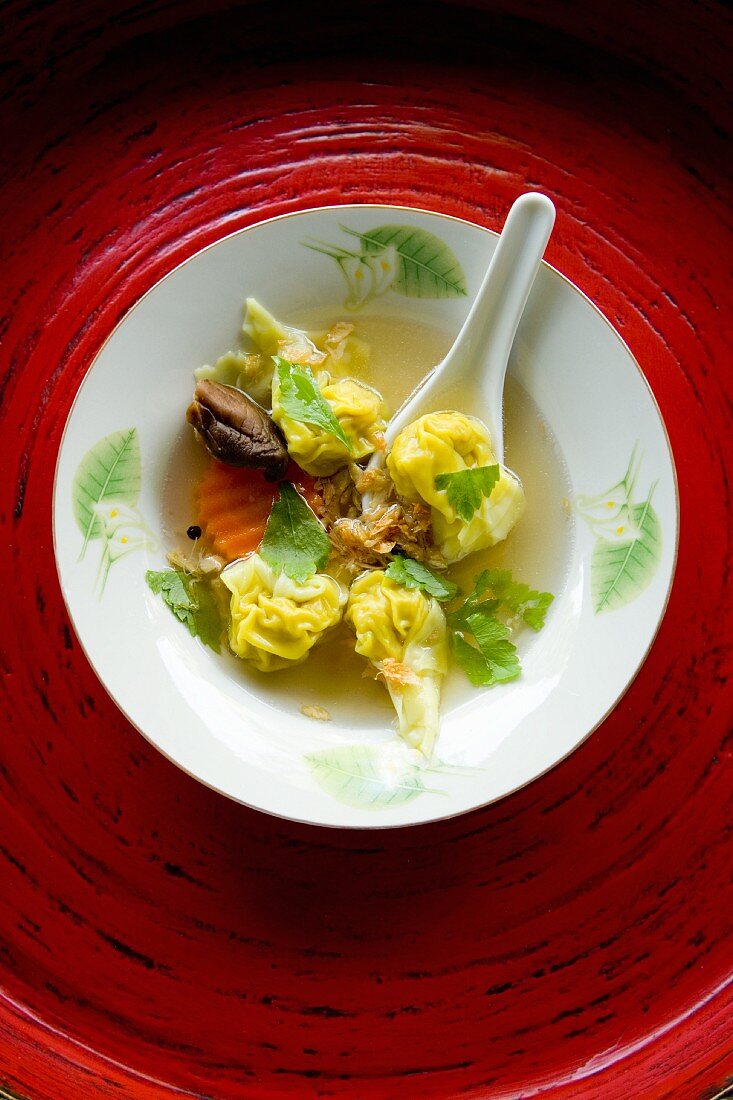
(156, 940)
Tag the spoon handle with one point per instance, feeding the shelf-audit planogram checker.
(500, 302)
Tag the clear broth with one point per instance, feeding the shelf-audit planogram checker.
(537, 550)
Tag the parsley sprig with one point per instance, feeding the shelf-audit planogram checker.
(301, 399)
(413, 574)
(191, 601)
(466, 489)
(295, 541)
(483, 624)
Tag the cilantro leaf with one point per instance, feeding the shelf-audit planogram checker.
(493, 660)
(492, 638)
(458, 618)
(191, 601)
(491, 657)
(471, 661)
(535, 616)
(465, 488)
(171, 585)
(295, 541)
(521, 600)
(207, 616)
(302, 400)
(413, 574)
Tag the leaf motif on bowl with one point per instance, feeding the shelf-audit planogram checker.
(368, 776)
(105, 492)
(402, 258)
(628, 544)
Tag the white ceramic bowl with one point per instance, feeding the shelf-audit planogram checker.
(230, 731)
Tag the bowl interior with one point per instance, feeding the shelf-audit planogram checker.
(616, 519)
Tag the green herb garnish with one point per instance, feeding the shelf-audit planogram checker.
(497, 587)
(494, 661)
(191, 601)
(529, 604)
(491, 657)
(413, 574)
(301, 399)
(466, 488)
(295, 541)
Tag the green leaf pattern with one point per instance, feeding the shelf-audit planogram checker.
(620, 571)
(104, 493)
(370, 777)
(628, 545)
(110, 470)
(402, 258)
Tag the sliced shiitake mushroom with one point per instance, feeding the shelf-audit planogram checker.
(237, 430)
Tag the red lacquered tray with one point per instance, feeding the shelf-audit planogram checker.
(156, 940)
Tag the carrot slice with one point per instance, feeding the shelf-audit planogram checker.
(233, 506)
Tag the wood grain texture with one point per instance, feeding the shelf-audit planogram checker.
(156, 940)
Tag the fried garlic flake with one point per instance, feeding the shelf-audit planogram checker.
(365, 541)
(320, 714)
(301, 353)
(338, 333)
(375, 481)
(397, 672)
(337, 498)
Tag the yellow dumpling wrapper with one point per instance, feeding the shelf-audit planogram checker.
(248, 371)
(359, 410)
(444, 443)
(338, 350)
(403, 632)
(274, 621)
(271, 335)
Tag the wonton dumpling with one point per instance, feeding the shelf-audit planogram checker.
(275, 622)
(359, 409)
(444, 443)
(248, 371)
(252, 371)
(403, 633)
(272, 337)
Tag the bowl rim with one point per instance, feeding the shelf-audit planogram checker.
(376, 826)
